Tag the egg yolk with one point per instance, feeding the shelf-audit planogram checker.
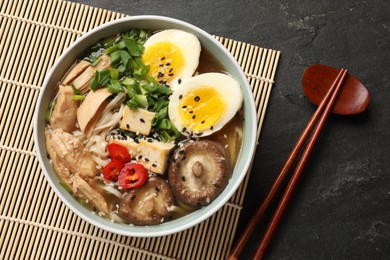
(165, 60)
(201, 108)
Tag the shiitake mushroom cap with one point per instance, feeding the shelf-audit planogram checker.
(147, 205)
(198, 172)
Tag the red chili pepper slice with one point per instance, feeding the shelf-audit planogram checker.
(133, 175)
(118, 152)
(112, 170)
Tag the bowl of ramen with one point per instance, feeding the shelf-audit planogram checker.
(145, 126)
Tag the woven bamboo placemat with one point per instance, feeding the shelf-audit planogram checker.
(34, 223)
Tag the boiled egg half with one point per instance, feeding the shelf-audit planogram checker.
(173, 56)
(205, 103)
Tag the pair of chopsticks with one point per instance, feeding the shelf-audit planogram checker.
(320, 116)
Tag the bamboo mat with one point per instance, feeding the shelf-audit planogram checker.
(34, 223)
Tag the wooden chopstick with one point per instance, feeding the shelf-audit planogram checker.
(326, 104)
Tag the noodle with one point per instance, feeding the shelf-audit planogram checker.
(111, 115)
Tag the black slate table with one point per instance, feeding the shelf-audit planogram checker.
(341, 208)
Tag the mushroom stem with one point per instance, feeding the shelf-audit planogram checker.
(197, 169)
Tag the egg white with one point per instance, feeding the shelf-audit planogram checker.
(186, 43)
(228, 90)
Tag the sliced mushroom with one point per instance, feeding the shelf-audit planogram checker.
(147, 205)
(75, 71)
(64, 114)
(199, 171)
(90, 110)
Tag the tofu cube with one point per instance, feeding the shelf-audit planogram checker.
(153, 155)
(137, 120)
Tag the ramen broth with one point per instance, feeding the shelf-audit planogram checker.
(230, 136)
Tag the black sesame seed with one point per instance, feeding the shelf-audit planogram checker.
(154, 165)
(132, 197)
(161, 65)
(127, 126)
(181, 152)
(194, 116)
(139, 157)
(211, 127)
(180, 96)
(170, 74)
(184, 106)
(184, 129)
(142, 120)
(168, 64)
(146, 159)
(157, 189)
(170, 69)
(199, 134)
(163, 58)
(160, 75)
(183, 178)
(216, 185)
(197, 98)
(203, 122)
(191, 112)
(179, 81)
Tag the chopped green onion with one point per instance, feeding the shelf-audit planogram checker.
(115, 57)
(128, 81)
(49, 110)
(164, 90)
(78, 97)
(100, 79)
(122, 45)
(95, 62)
(131, 103)
(66, 186)
(114, 73)
(111, 49)
(165, 124)
(75, 90)
(163, 113)
(133, 47)
(115, 86)
(141, 100)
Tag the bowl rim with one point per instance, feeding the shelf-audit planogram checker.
(180, 224)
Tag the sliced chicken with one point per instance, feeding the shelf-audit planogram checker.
(72, 153)
(84, 190)
(62, 172)
(64, 113)
(75, 71)
(91, 109)
(82, 81)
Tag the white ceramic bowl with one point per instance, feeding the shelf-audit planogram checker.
(69, 56)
